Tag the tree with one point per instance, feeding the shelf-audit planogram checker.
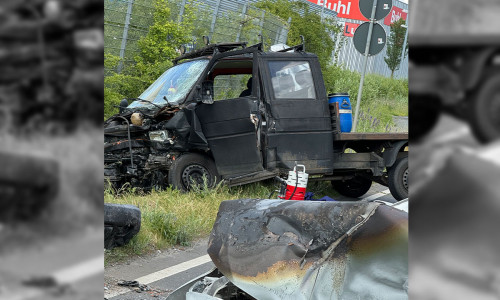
(317, 34)
(395, 46)
(156, 50)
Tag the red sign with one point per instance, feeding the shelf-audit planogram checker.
(347, 9)
(350, 28)
(395, 14)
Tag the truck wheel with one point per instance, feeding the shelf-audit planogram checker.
(192, 168)
(121, 224)
(485, 117)
(398, 179)
(354, 188)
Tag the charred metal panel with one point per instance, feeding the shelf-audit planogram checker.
(231, 135)
(275, 249)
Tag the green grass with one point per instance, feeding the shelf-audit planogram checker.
(382, 97)
(172, 217)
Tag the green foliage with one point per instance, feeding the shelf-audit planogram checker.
(317, 34)
(395, 46)
(382, 97)
(156, 50)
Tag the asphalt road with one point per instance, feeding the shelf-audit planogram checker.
(71, 268)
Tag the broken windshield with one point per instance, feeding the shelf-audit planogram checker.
(174, 84)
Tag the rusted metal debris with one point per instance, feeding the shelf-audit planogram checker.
(274, 249)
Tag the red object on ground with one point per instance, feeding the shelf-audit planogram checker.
(296, 184)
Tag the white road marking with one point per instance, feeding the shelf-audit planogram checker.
(167, 272)
(377, 195)
(174, 269)
(68, 275)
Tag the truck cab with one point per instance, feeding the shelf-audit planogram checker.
(246, 115)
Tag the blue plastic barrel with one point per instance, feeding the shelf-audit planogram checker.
(345, 110)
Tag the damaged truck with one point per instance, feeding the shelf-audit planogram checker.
(192, 127)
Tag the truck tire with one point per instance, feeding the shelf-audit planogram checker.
(354, 188)
(121, 223)
(485, 117)
(191, 167)
(398, 179)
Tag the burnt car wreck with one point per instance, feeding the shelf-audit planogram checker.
(194, 126)
(275, 249)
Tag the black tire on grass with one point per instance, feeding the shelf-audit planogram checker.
(121, 223)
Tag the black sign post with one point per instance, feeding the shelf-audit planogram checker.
(374, 38)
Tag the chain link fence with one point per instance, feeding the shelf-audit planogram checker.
(126, 21)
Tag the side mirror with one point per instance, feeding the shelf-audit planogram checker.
(207, 92)
(206, 97)
(123, 105)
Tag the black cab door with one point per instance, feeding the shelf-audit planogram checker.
(228, 125)
(298, 125)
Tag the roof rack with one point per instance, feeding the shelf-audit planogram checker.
(301, 47)
(211, 49)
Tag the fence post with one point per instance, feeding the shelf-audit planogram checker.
(214, 18)
(278, 33)
(243, 13)
(284, 31)
(261, 24)
(125, 35)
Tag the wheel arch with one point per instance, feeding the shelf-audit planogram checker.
(391, 153)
